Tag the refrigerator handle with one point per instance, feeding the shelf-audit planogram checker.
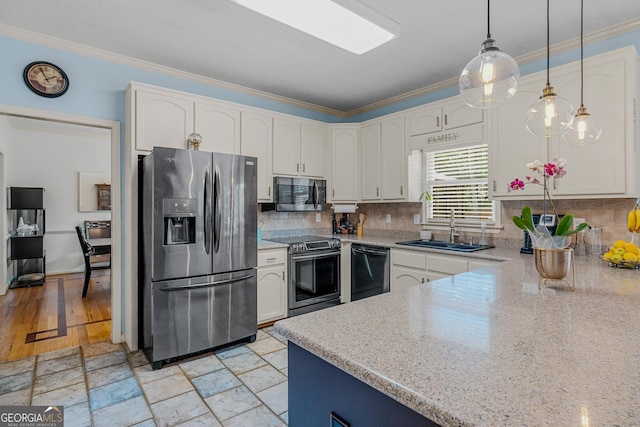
(207, 212)
(216, 211)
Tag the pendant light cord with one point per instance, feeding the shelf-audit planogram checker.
(548, 50)
(581, 53)
(488, 19)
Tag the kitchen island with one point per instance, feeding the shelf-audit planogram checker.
(483, 348)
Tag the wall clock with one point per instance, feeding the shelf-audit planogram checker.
(46, 79)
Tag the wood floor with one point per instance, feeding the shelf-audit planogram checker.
(54, 316)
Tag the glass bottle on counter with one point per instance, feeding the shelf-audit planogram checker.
(593, 241)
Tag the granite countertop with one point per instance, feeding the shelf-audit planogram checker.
(488, 348)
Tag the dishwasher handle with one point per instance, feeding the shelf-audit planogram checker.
(366, 251)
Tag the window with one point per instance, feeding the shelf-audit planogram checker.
(457, 179)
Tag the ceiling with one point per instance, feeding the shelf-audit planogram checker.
(221, 40)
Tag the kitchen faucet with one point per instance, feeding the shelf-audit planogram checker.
(452, 228)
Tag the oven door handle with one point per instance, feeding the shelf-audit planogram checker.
(205, 285)
(314, 256)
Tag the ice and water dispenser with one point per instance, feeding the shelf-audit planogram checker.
(179, 221)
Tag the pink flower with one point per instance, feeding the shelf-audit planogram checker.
(516, 184)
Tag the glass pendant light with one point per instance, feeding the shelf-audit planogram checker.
(551, 115)
(585, 130)
(491, 78)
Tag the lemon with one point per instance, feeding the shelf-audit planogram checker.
(629, 264)
(630, 247)
(620, 244)
(628, 256)
(607, 256)
(619, 251)
(616, 258)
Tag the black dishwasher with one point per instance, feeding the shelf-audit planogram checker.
(369, 271)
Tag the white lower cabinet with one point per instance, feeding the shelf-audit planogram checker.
(272, 285)
(413, 267)
(408, 268)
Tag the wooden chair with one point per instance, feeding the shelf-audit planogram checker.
(89, 265)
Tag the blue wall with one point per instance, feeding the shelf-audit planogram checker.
(97, 86)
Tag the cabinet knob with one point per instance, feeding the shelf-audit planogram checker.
(377, 191)
(333, 193)
(268, 191)
(495, 186)
(437, 121)
(304, 167)
(446, 120)
(297, 167)
(422, 280)
(402, 190)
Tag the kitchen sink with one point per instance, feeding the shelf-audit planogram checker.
(458, 247)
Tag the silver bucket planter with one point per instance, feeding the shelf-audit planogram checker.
(554, 264)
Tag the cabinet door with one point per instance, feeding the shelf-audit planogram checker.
(443, 265)
(344, 164)
(162, 120)
(598, 169)
(272, 293)
(514, 146)
(370, 162)
(403, 278)
(286, 147)
(313, 151)
(425, 120)
(459, 114)
(393, 160)
(256, 141)
(219, 127)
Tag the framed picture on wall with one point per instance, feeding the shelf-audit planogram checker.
(104, 197)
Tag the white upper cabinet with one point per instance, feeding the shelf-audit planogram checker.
(299, 149)
(607, 168)
(383, 160)
(286, 147)
(344, 164)
(162, 120)
(599, 169)
(393, 159)
(370, 162)
(513, 146)
(165, 118)
(256, 141)
(219, 126)
(441, 116)
(313, 150)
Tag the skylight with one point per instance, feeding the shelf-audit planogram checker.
(325, 20)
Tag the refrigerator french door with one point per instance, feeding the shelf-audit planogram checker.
(199, 239)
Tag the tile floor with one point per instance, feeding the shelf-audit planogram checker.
(101, 385)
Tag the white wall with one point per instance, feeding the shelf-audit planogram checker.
(51, 155)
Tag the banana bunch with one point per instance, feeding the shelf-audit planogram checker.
(633, 219)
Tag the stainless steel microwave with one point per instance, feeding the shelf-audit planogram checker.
(297, 195)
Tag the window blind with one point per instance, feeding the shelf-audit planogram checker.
(457, 178)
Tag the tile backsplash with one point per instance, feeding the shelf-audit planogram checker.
(610, 214)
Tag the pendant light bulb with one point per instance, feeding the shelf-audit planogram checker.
(585, 130)
(489, 79)
(551, 114)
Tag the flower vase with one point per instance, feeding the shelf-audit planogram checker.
(554, 264)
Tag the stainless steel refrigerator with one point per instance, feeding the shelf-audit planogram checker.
(198, 223)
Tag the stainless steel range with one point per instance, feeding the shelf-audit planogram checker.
(314, 273)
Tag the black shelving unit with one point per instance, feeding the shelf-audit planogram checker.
(26, 260)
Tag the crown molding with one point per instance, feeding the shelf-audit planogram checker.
(574, 43)
(69, 46)
(56, 43)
